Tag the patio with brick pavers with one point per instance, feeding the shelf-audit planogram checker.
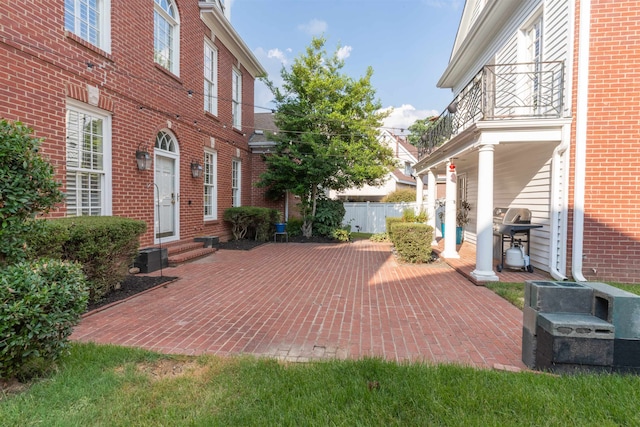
(305, 301)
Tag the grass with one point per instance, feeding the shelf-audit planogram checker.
(356, 235)
(115, 386)
(514, 292)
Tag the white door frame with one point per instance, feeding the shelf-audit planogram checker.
(175, 157)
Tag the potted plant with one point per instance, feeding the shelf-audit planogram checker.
(462, 219)
(281, 225)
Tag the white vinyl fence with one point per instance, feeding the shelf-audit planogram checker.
(369, 217)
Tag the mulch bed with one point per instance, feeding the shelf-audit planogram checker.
(248, 244)
(131, 285)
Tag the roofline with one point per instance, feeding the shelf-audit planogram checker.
(214, 18)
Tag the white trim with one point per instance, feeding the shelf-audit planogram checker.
(104, 24)
(236, 201)
(211, 104)
(214, 174)
(107, 144)
(236, 98)
(176, 157)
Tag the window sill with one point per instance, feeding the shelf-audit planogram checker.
(82, 42)
(167, 72)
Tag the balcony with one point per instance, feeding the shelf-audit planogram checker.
(499, 92)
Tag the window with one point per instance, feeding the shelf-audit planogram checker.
(236, 95)
(88, 162)
(166, 35)
(210, 78)
(89, 20)
(236, 177)
(534, 56)
(408, 170)
(210, 192)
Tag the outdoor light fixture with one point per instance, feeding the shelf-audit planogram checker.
(196, 169)
(144, 159)
(453, 107)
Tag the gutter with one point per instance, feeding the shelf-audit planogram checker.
(581, 141)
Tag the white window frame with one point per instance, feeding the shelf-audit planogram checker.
(531, 57)
(210, 170)
(236, 183)
(167, 12)
(104, 174)
(98, 13)
(210, 78)
(236, 96)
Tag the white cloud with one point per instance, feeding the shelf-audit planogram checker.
(315, 27)
(344, 52)
(279, 55)
(404, 116)
(454, 4)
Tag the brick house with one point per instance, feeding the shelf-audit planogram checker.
(543, 117)
(108, 83)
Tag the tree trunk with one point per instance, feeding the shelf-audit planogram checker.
(307, 226)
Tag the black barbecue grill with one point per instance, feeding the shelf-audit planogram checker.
(512, 226)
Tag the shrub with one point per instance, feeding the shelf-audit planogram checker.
(406, 195)
(294, 226)
(379, 237)
(27, 187)
(41, 302)
(412, 241)
(409, 215)
(105, 246)
(342, 234)
(389, 221)
(329, 216)
(252, 221)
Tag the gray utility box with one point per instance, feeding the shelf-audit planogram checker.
(558, 297)
(151, 259)
(566, 341)
(208, 241)
(621, 308)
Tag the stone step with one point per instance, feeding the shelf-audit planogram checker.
(182, 246)
(189, 255)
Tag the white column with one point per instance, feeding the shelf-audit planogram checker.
(484, 245)
(431, 203)
(419, 193)
(450, 215)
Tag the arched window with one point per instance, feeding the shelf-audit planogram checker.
(166, 35)
(165, 141)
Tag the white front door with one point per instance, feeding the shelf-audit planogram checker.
(166, 199)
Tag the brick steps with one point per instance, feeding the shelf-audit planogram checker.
(184, 251)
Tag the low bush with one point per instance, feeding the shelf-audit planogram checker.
(389, 221)
(252, 222)
(40, 303)
(106, 246)
(294, 226)
(342, 234)
(379, 237)
(412, 241)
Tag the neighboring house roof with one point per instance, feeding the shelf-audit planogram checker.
(259, 141)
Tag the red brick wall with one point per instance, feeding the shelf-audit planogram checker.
(42, 64)
(612, 187)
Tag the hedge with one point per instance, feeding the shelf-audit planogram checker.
(106, 246)
(412, 241)
(252, 221)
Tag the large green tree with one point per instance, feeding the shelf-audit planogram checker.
(419, 128)
(327, 128)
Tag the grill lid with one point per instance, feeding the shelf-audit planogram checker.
(512, 216)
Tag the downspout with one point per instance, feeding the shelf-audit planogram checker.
(558, 164)
(581, 141)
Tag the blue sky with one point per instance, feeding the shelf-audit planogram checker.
(406, 42)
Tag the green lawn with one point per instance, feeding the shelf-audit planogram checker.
(514, 292)
(114, 386)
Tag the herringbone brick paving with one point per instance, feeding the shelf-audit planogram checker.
(304, 301)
